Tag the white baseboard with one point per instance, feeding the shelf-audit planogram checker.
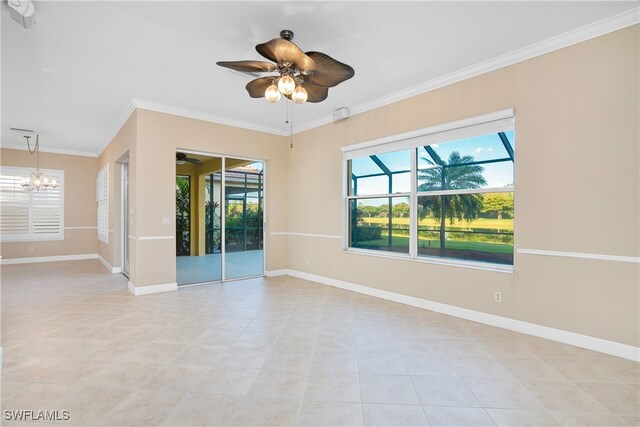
(274, 273)
(152, 289)
(584, 341)
(29, 260)
(108, 266)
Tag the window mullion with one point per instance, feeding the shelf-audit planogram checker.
(413, 207)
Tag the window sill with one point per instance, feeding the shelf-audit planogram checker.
(486, 266)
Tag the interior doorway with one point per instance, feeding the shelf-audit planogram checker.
(219, 218)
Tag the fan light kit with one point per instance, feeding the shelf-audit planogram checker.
(301, 76)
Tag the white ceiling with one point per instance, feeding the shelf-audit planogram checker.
(103, 54)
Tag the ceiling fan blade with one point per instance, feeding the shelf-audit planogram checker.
(248, 66)
(257, 87)
(316, 93)
(281, 50)
(328, 71)
(194, 161)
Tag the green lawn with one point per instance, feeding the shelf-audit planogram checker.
(497, 224)
(403, 241)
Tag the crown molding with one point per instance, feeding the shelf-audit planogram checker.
(54, 150)
(121, 121)
(206, 117)
(578, 35)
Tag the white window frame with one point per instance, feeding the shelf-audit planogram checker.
(503, 120)
(32, 236)
(102, 204)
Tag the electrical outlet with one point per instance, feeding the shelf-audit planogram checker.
(306, 261)
(166, 220)
(497, 296)
(30, 249)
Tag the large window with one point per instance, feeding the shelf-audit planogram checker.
(443, 195)
(30, 216)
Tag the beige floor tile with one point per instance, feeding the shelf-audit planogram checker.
(336, 387)
(428, 364)
(334, 361)
(280, 384)
(217, 338)
(530, 369)
(563, 396)
(381, 363)
(585, 419)
(522, 417)
(287, 360)
(457, 416)
(388, 389)
(444, 391)
(631, 420)
(176, 377)
(575, 369)
(203, 410)
(85, 343)
(618, 398)
(374, 344)
(330, 414)
(227, 381)
(88, 404)
(265, 412)
(242, 357)
(123, 374)
(143, 407)
(494, 393)
(480, 367)
(393, 415)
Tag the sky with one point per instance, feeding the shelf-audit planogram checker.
(486, 147)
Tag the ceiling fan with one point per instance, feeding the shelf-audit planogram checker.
(182, 158)
(300, 76)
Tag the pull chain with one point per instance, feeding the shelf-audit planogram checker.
(289, 120)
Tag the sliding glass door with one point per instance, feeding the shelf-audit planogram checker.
(219, 218)
(244, 204)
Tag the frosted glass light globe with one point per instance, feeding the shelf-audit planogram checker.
(299, 95)
(286, 84)
(272, 94)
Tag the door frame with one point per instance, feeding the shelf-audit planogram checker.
(223, 213)
(125, 218)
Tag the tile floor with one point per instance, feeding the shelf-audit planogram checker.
(283, 351)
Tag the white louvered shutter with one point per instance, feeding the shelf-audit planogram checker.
(30, 216)
(102, 197)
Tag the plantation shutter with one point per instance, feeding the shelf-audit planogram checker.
(102, 198)
(35, 215)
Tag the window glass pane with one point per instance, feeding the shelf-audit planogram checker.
(477, 227)
(478, 162)
(380, 224)
(381, 173)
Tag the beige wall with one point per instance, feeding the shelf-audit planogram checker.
(152, 140)
(577, 190)
(121, 149)
(79, 204)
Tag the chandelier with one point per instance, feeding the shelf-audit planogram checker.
(38, 180)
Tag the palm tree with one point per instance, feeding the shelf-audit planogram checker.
(457, 173)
